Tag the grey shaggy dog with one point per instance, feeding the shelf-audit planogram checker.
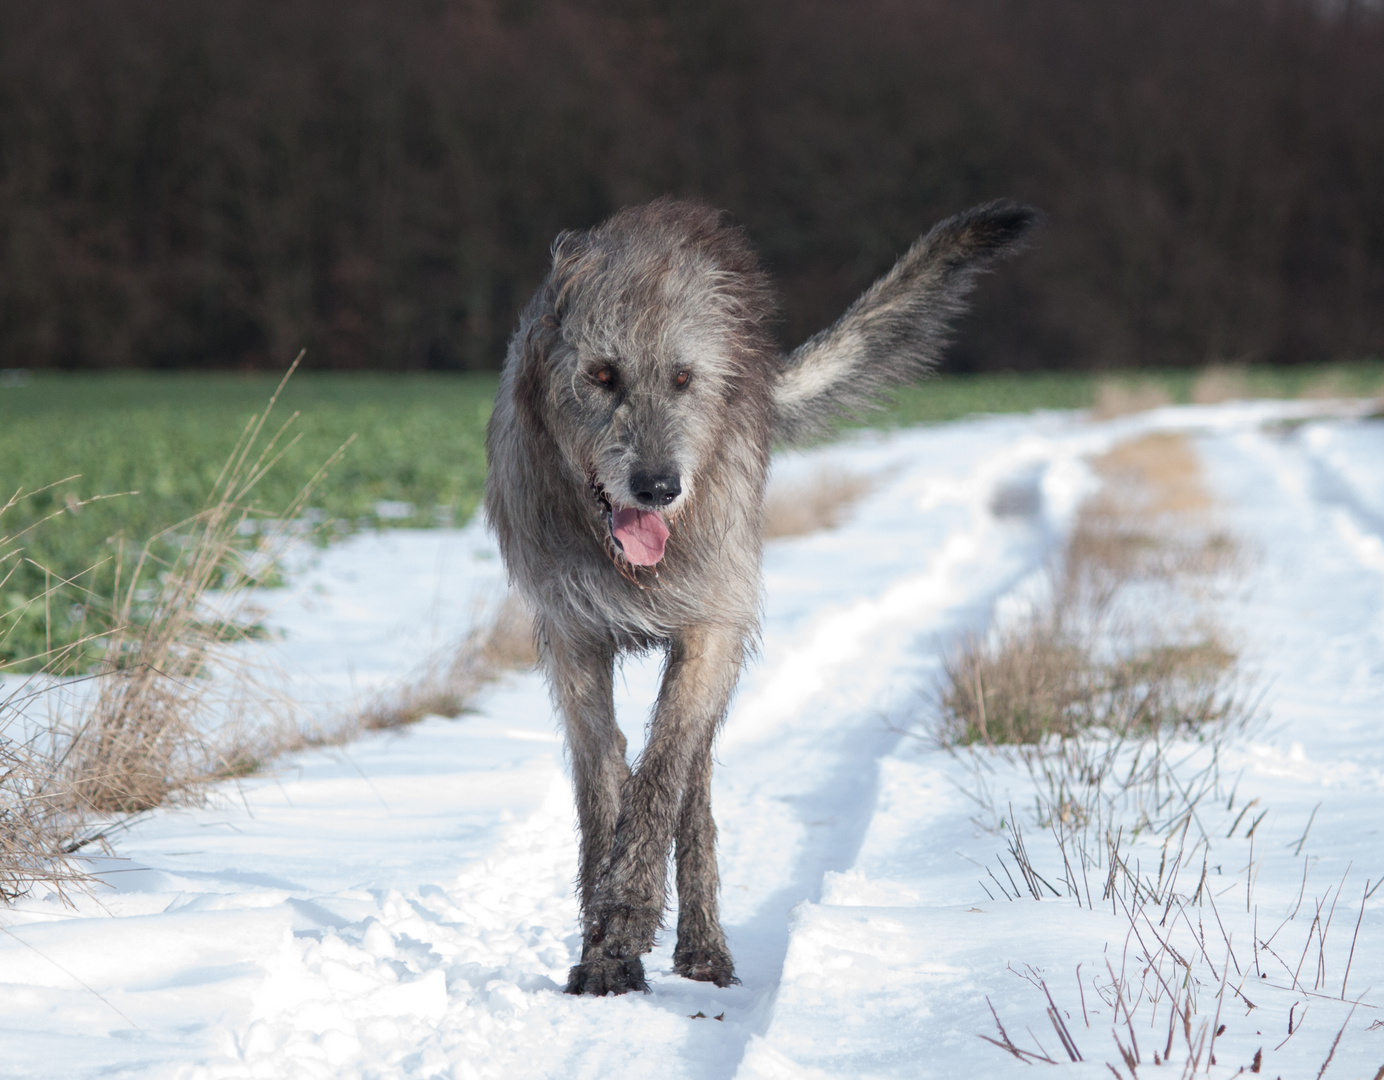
(628, 452)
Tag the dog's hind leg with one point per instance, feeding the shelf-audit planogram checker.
(701, 951)
(631, 890)
(581, 675)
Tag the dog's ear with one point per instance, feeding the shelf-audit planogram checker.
(569, 244)
(542, 329)
(530, 382)
(570, 262)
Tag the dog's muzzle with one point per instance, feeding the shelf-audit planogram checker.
(640, 534)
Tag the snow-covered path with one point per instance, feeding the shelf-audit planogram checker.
(403, 907)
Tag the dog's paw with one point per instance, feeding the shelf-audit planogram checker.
(705, 965)
(607, 975)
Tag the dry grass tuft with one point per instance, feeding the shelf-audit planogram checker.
(170, 705)
(1120, 716)
(35, 801)
(1221, 382)
(1087, 654)
(1044, 679)
(34, 817)
(175, 701)
(1151, 476)
(505, 643)
(174, 704)
(1117, 397)
(1152, 518)
(808, 507)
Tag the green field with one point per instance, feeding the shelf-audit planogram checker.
(419, 441)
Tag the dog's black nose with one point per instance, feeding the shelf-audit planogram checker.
(655, 489)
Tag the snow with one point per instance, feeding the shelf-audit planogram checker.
(403, 907)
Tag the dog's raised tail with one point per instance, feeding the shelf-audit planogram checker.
(897, 329)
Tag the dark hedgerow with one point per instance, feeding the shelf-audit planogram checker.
(218, 183)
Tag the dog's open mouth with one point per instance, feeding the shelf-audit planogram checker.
(641, 535)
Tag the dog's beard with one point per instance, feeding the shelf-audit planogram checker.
(641, 534)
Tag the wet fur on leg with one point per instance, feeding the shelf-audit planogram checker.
(604, 975)
(640, 398)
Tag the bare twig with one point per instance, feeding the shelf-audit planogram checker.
(1297, 848)
(1006, 1043)
(1351, 958)
(1335, 1043)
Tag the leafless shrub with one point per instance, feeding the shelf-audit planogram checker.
(446, 687)
(820, 502)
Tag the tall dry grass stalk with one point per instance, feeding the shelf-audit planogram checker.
(1094, 650)
(61, 659)
(35, 810)
(157, 704)
(36, 817)
(174, 708)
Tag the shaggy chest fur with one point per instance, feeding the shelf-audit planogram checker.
(554, 527)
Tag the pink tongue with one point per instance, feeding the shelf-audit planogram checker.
(641, 533)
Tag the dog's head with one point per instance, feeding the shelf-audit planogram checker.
(647, 328)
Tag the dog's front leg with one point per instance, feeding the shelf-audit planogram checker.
(631, 889)
(580, 672)
(701, 951)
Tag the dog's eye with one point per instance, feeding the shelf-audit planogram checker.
(683, 377)
(606, 376)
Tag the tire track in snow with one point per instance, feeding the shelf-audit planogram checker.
(462, 979)
(873, 990)
(795, 788)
